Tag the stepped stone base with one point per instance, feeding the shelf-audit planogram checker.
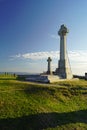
(47, 78)
(53, 78)
(43, 78)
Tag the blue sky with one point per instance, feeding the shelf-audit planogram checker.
(28, 34)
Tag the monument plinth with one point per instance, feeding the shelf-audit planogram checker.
(64, 69)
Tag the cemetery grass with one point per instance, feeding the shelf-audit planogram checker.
(32, 106)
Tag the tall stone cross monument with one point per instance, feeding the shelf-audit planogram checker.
(64, 69)
(49, 65)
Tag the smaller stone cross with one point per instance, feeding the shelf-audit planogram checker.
(49, 65)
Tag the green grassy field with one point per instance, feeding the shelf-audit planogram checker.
(32, 106)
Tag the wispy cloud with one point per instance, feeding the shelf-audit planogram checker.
(54, 36)
(37, 55)
(17, 56)
(77, 59)
(77, 56)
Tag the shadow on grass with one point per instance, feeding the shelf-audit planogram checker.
(43, 120)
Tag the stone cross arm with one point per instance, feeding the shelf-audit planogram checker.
(63, 30)
(49, 59)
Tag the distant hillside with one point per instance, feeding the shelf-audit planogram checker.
(31, 106)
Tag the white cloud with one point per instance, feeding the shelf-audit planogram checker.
(77, 59)
(37, 55)
(77, 56)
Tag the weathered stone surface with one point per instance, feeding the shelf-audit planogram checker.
(64, 69)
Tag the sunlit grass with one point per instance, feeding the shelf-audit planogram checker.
(21, 100)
